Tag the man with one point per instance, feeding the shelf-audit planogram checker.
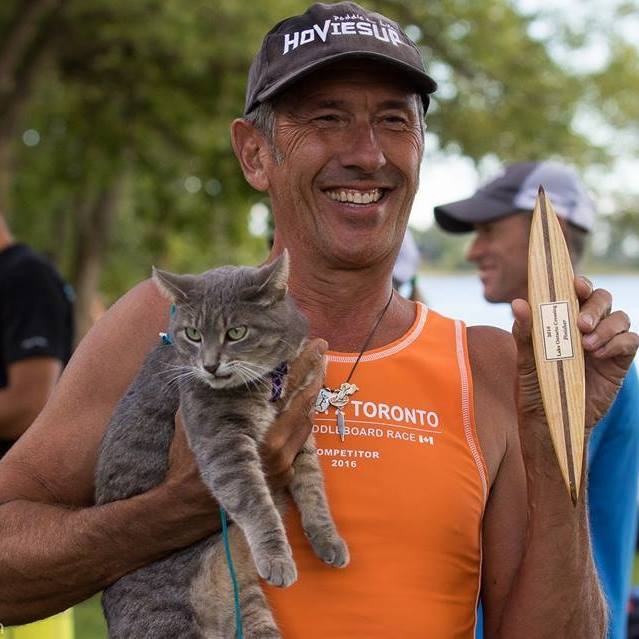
(406, 268)
(500, 214)
(333, 132)
(36, 340)
(36, 334)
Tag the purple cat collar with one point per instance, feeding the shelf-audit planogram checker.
(277, 376)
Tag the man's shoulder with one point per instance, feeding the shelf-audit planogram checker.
(492, 354)
(490, 349)
(23, 266)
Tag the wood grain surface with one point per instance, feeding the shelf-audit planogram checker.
(559, 355)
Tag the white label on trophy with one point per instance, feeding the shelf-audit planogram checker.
(556, 327)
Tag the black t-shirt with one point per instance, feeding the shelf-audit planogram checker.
(36, 313)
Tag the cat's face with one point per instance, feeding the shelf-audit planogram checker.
(233, 325)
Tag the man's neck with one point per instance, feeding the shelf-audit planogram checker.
(342, 305)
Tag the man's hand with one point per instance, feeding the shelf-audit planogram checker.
(609, 350)
(294, 423)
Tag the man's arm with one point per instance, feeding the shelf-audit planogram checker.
(55, 551)
(30, 382)
(57, 547)
(539, 578)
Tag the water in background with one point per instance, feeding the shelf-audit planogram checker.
(460, 296)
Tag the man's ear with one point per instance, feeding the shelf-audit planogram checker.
(252, 151)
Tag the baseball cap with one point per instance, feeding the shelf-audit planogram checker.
(329, 33)
(516, 190)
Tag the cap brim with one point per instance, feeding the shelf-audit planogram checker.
(461, 216)
(423, 81)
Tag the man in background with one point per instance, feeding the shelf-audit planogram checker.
(500, 215)
(36, 337)
(36, 332)
(406, 269)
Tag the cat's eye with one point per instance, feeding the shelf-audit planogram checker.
(236, 333)
(193, 334)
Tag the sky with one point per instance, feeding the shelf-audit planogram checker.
(447, 177)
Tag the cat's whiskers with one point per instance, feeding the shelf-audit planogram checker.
(255, 370)
(246, 381)
(169, 369)
(189, 373)
(251, 374)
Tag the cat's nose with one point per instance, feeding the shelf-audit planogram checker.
(211, 368)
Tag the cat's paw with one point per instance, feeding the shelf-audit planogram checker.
(278, 571)
(330, 548)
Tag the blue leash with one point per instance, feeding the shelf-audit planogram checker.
(229, 563)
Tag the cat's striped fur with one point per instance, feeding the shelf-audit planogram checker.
(226, 415)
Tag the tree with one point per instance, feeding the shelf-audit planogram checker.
(114, 146)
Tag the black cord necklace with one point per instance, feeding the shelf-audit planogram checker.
(339, 397)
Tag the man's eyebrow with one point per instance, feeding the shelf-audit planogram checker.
(330, 104)
(396, 104)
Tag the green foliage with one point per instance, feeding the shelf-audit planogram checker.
(89, 621)
(147, 89)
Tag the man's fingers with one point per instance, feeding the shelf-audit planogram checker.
(522, 327)
(289, 432)
(522, 330)
(179, 446)
(616, 323)
(308, 360)
(624, 344)
(593, 309)
(294, 424)
(583, 287)
(300, 413)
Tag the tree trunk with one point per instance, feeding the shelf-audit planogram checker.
(21, 34)
(94, 224)
(23, 53)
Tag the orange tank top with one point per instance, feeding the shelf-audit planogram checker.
(407, 490)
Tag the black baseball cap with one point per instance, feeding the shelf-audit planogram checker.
(329, 33)
(516, 190)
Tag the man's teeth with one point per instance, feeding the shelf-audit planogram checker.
(356, 197)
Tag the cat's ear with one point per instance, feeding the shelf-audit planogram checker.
(174, 287)
(274, 277)
(269, 283)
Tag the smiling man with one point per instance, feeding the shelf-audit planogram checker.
(499, 214)
(440, 476)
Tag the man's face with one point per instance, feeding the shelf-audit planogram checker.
(500, 250)
(349, 141)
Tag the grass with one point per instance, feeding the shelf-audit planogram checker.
(89, 620)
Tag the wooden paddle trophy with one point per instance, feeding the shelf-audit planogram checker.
(557, 345)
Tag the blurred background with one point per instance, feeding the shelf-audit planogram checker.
(115, 154)
(114, 116)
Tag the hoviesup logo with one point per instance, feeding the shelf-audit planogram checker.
(341, 26)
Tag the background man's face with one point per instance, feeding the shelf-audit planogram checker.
(350, 144)
(500, 250)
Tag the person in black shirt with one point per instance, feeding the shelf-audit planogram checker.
(36, 334)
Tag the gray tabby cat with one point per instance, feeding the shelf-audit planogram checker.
(231, 329)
